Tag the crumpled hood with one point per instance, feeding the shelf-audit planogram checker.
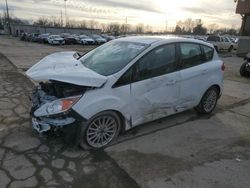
(62, 66)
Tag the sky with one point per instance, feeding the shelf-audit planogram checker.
(157, 13)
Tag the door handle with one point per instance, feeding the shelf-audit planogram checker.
(171, 82)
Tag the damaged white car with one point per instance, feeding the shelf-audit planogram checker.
(122, 84)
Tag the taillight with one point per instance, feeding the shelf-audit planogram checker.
(223, 66)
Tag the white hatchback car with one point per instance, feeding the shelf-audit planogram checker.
(122, 84)
(55, 39)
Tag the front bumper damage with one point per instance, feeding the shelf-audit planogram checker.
(50, 123)
(42, 125)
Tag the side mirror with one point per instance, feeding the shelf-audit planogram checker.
(77, 55)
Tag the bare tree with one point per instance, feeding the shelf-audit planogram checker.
(139, 28)
(55, 22)
(42, 21)
(72, 23)
(83, 24)
(199, 29)
(178, 29)
(92, 24)
(113, 28)
(148, 29)
(212, 28)
(189, 25)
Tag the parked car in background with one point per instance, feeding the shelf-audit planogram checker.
(33, 37)
(202, 38)
(56, 40)
(63, 35)
(234, 42)
(43, 38)
(245, 67)
(98, 39)
(77, 38)
(70, 40)
(24, 36)
(108, 37)
(86, 40)
(122, 84)
(221, 43)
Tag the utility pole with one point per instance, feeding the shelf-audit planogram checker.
(61, 19)
(166, 26)
(66, 20)
(126, 25)
(8, 16)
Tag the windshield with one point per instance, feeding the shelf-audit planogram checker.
(55, 36)
(112, 57)
(96, 36)
(84, 37)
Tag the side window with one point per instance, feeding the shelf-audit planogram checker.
(208, 52)
(159, 61)
(226, 40)
(191, 55)
(125, 79)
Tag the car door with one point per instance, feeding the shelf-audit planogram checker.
(155, 89)
(222, 44)
(194, 74)
(228, 43)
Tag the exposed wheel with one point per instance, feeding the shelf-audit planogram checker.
(100, 130)
(208, 101)
(230, 49)
(243, 71)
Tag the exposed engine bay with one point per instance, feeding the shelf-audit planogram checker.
(53, 90)
(49, 95)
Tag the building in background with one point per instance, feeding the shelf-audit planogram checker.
(243, 8)
(18, 29)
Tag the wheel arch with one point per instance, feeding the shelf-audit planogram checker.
(122, 118)
(217, 87)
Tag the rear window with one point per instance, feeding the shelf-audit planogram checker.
(213, 39)
(191, 55)
(209, 52)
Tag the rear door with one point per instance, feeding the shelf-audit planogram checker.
(156, 88)
(194, 73)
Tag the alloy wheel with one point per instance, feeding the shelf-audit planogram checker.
(210, 100)
(101, 131)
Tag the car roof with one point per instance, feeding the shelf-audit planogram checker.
(155, 39)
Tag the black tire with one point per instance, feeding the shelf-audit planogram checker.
(202, 107)
(243, 71)
(230, 49)
(85, 127)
